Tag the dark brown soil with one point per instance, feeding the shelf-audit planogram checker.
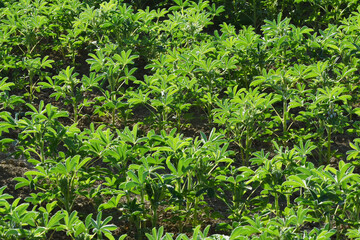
(9, 169)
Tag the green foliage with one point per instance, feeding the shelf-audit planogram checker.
(33, 67)
(113, 68)
(107, 82)
(42, 131)
(72, 90)
(244, 114)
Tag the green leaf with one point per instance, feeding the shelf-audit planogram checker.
(122, 237)
(295, 181)
(240, 232)
(172, 167)
(55, 220)
(35, 173)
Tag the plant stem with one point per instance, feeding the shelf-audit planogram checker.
(31, 85)
(357, 209)
(113, 98)
(42, 146)
(329, 145)
(154, 220)
(247, 146)
(196, 211)
(284, 116)
(75, 105)
(288, 200)
(277, 210)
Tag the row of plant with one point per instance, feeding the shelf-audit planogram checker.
(288, 89)
(177, 174)
(307, 90)
(315, 14)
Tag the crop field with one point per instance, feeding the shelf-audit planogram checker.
(164, 120)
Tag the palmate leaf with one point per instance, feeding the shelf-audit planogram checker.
(9, 123)
(70, 220)
(353, 154)
(4, 86)
(91, 81)
(46, 63)
(112, 203)
(353, 233)
(54, 221)
(53, 112)
(125, 58)
(305, 149)
(78, 228)
(133, 176)
(72, 164)
(5, 196)
(138, 97)
(357, 111)
(128, 75)
(102, 226)
(295, 181)
(207, 66)
(156, 234)
(243, 231)
(344, 174)
(23, 182)
(98, 61)
(130, 136)
(108, 6)
(72, 223)
(325, 234)
(14, 232)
